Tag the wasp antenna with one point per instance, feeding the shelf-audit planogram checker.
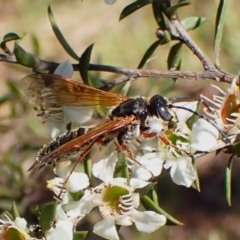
(188, 99)
(201, 116)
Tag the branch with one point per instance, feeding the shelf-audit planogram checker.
(206, 62)
(217, 75)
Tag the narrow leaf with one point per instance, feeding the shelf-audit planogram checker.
(47, 215)
(60, 37)
(191, 23)
(196, 184)
(87, 163)
(150, 205)
(182, 3)
(165, 38)
(229, 179)
(121, 168)
(145, 190)
(175, 57)
(14, 210)
(158, 15)
(219, 28)
(236, 148)
(84, 64)
(24, 58)
(133, 7)
(154, 195)
(79, 235)
(148, 54)
(35, 44)
(7, 38)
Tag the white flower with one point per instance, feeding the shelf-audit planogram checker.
(158, 153)
(204, 136)
(76, 181)
(117, 202)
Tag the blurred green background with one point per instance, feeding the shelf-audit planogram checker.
(206, 215)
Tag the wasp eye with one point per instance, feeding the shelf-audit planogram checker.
(158, 106)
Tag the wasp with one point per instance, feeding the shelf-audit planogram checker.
(129, 118)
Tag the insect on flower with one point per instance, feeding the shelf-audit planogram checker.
(128, 119)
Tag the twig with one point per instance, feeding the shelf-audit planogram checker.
(133, 73)
(206, 62)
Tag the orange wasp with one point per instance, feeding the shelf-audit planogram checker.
(129, 118)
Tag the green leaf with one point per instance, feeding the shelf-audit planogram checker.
(158, 15)
(24, 58)
(87, 164)
(229, 179)
(121, 168)
(145, 190)
(165, 37)
(154, 195)
(196, 184)
(13, 87)
(181, 3)
(236, 149)
(134, 7)
(191, 23)
(47, 215)
(84, 63)
(79, 235)
(219, 28)
(14, 210)
(148, 54)
(175, 57)
(5, 98)
(7, 38)
(60, 37)
(35, 44)
(150, 205)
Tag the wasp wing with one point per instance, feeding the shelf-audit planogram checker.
(52, 154)
(66, 92)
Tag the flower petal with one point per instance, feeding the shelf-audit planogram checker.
(150, 164)
(182, 114)
(84, 205)
(104, 168)
(148, 221)
(204, 136)
(182, 172)
(137, 183)
(60, 214)
(124, 221)
(77, 115)
(77, 181)
(63, 230)
(150, 145)
(106, 229)
(21, 223)
(64, 69)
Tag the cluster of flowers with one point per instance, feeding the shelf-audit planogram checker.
(118, 197)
